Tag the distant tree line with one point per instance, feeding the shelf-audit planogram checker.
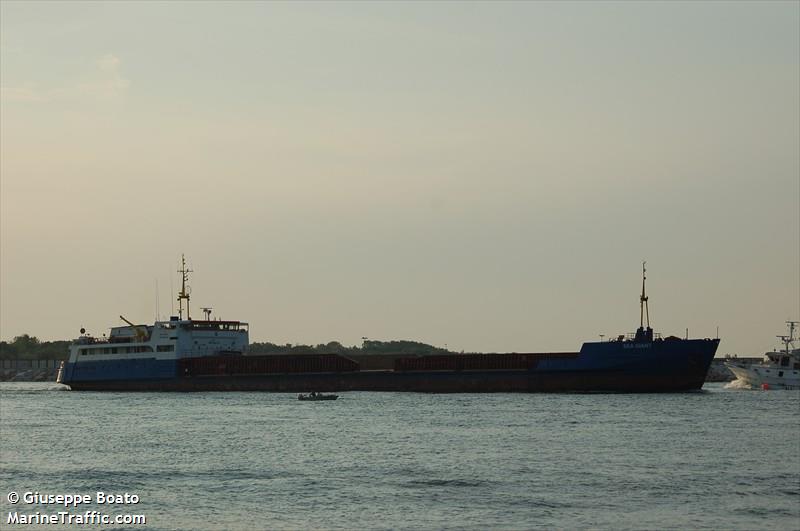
(27, 347)
(407, 348)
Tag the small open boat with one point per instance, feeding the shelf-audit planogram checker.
(316, 396)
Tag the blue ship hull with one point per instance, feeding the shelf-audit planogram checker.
(615, 366)
(134, 370)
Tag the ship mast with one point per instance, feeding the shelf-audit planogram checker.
(789, 340)
(644, 334)
(183, 294)
(643, 308)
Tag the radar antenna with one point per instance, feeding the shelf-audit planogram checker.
(183, 294)
(207, 311)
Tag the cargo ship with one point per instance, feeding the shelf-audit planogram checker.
(183, 354)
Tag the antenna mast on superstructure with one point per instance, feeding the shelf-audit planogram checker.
(643, 308)
(789, 340)
(183, 294)
(644, 334)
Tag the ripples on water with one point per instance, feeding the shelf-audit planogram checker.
(718, 459)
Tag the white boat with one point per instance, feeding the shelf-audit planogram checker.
(779, 370)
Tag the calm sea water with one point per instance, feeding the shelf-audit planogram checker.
(717, 459)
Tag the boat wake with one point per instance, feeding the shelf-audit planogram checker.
(737, 384)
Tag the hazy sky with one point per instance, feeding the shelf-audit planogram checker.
(487, 176)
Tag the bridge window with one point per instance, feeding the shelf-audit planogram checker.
(137, 349)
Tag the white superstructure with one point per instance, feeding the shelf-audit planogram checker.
(143, 352)
(164, 340)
